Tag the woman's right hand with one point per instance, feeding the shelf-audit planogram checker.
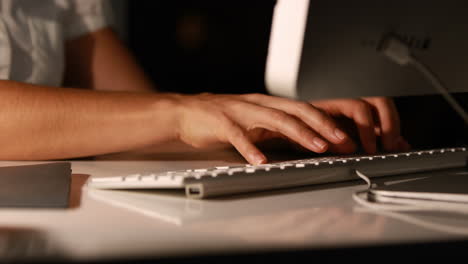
(241, 120)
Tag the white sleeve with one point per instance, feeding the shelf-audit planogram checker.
(86, 16)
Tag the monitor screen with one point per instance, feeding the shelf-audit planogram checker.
(330, 48)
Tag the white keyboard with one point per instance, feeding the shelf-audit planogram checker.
(218, 181)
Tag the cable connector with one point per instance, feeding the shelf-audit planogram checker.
(396, 50)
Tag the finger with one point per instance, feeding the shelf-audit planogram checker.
(403, 145)
(361, 113)
(276, 121)
(364, 120)
(238, 138)
(347, 148)
(389, 122)
(319, 121)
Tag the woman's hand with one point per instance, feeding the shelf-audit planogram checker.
(372, 117)
(242, 120)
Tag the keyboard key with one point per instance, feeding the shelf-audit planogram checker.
(132, 178)
(151, 177)
(107, 179)
(236, 170)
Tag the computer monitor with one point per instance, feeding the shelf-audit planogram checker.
(330, 48)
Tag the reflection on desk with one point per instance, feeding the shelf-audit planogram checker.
(257, 222)
(24, 244)
(273, 219)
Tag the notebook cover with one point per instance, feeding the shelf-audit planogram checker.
(35, 186)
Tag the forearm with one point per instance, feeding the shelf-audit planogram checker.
(39, 123)
(100, 61)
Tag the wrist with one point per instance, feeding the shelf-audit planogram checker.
(167, 114)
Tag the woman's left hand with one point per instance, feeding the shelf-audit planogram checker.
(372, 117)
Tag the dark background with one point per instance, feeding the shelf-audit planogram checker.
(199, 46)
(221, 47)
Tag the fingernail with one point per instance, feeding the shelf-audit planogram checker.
(319, 143)
(402, 144)
(340, 134)
(398, 143)
(399, 140)
(258, 158)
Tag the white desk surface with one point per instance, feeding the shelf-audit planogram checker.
(139, 224)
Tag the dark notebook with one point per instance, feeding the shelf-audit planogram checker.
(35, 186)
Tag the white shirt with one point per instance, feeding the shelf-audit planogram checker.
(33, 35)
